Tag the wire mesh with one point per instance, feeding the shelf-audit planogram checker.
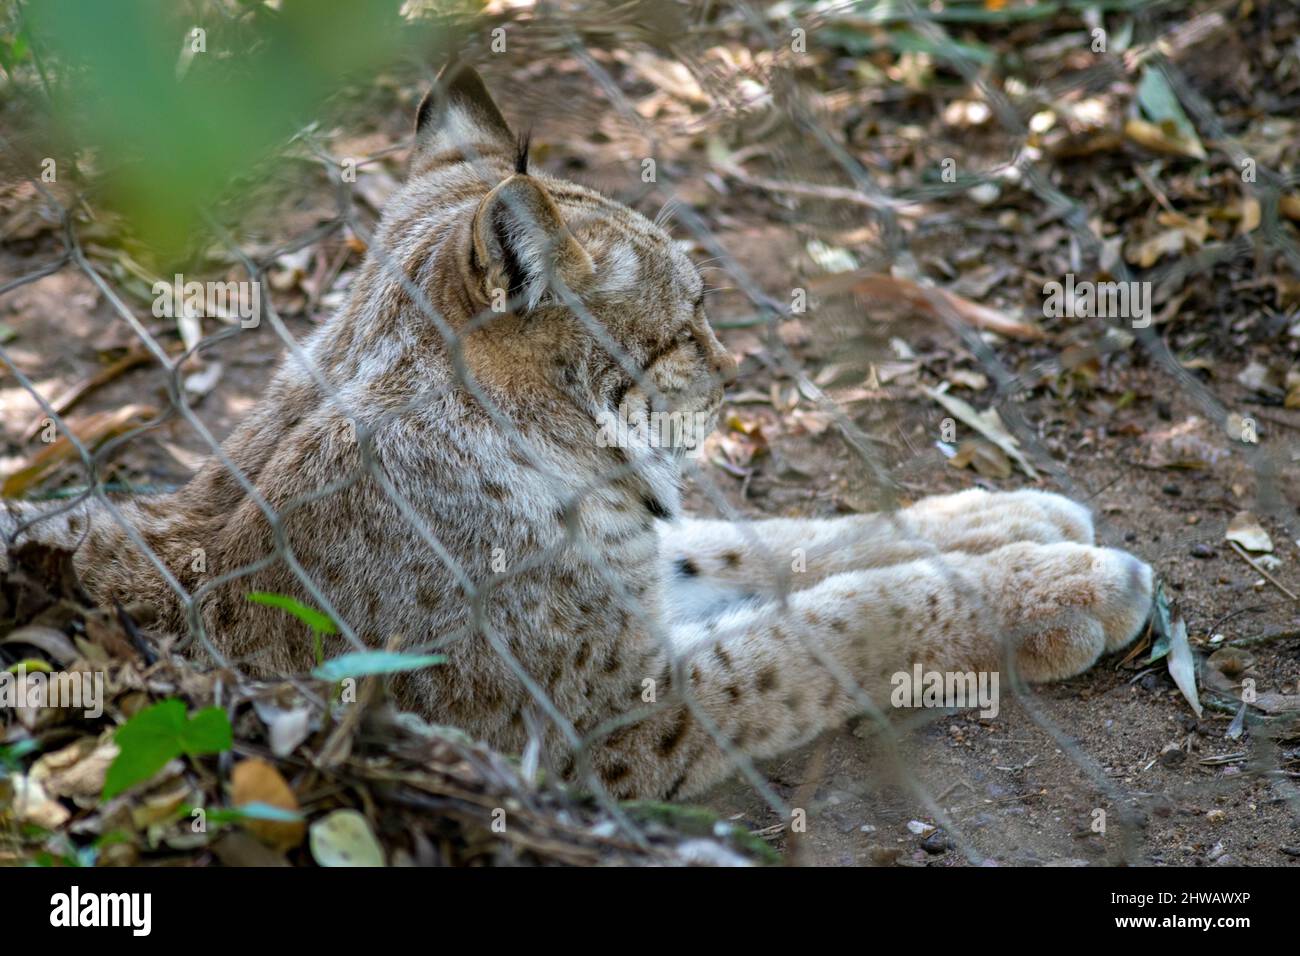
(818, 181)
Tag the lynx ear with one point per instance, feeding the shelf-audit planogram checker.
(520, 242)
(458, 114)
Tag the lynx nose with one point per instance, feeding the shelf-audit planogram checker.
(725, 367)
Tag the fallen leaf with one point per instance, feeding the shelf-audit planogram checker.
(344, 838)
(52, 642)
(1226, 668)
(161, 807)
(90, 431)
(1185, 445)
(1161, 138)
(963, 378)
(286, 727)
(1182, 665)
(1251, 214)
(29, 802)
(1159, 102)
(137, 354)
(987, 423)
(204, 380)
(931, 301)
(1246, 530)
(1169, 242)
(77, 770)
(986, 458)
(256, 781)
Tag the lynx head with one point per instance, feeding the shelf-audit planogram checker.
(557, 294)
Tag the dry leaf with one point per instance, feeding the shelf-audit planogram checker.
(1182, 665)
(1186, 445)
(930, 301)
(256, 781)
(1162, 138)
(986, 458)
(29, 802)
(90, 431)
(1148, 252)
(287, 727)
(1250, 215)
(77, 770)
(988, 424)
(1246, 530)
(344, 838)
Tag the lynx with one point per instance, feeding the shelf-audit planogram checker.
(436, 469)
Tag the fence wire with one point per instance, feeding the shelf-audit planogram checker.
(816, 181)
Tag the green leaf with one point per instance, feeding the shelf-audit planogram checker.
(11, 755)
(161, 733)
(1160, 104)
(364, 663)
(1160, 622)
(28, 666)
(256, 810)
(207, 732)
(949, 51)
(319, 623)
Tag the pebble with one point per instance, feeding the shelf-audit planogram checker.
(1202, 550)
(935, 843)
(884, 855)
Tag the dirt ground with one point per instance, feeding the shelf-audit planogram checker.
(1103, 419)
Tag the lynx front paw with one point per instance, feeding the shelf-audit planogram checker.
(1066, 604)
(978, 521)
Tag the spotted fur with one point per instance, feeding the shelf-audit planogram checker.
(448, 484)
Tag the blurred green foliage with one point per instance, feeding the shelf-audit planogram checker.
(174, 100)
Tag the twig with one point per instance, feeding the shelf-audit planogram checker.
(1272, 634)
(1268, 577)
(838, 194)
(137, 354)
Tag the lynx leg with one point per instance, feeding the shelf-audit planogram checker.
(760, 672)
(710, 563)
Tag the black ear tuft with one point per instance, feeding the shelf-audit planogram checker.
(424, 113)
(521, 153)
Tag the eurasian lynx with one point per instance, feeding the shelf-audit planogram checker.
(447, 481)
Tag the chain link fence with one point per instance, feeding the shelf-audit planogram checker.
(782, 150)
